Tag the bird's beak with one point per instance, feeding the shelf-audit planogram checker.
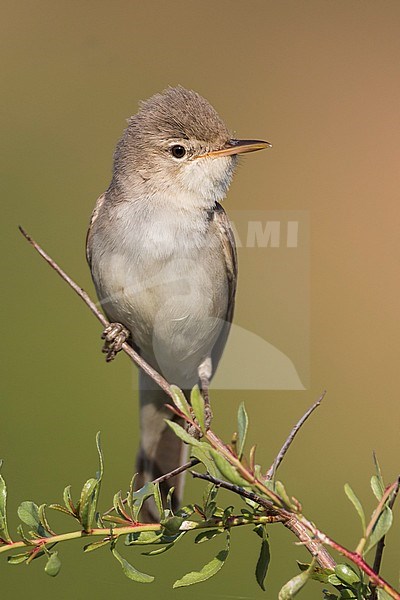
(237, 147)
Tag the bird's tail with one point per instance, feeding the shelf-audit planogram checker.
(160, 451)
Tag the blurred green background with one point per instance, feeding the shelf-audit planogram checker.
(321, 81)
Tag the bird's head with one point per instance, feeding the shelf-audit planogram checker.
(177, 144)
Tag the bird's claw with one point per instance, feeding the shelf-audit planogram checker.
(114, 337)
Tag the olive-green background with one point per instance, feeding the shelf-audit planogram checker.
(320, 80)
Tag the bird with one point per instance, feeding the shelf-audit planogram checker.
(163, 260)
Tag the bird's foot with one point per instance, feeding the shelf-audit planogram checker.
(114, 336)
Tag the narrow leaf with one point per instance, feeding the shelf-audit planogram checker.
(380, 529)
(4, 535)
(17, 559)
(158, 500)
(243, 423)
(53, 565)
(143, 537)
(203, 455)
(346, 574)
(43, 519)
(182, 433)
(101, 460)
(95, 545)
(263, 560)
(294, 585)
(205, 536)
(227, 470)
(23, 537)
(356, 503)
(164, 548)
(208, 570)
(87, 504)
(130, 571)
(318, 573)
(377, 487)
(282, 493)
(140, 496)
(60, 508)
(114, 519)
(171, 525)
(197, 402)
(69, 505)
(180, 401)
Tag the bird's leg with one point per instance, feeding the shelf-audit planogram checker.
(114, 335)
(205, 373)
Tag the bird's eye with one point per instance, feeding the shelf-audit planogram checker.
(178, 151)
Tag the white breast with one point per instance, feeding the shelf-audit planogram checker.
(161, 274)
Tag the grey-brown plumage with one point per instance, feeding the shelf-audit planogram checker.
(162, 254)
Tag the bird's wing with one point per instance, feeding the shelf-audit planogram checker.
(225, 234)
(95, 214)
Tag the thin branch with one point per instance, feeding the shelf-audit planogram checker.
(273, 468)
(134, 356)
(34, 543)
(381, 544)
(73, 535)
(236, 489)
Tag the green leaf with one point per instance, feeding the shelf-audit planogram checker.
(318, 573)
(171, 525)
(119, 506)
(53, 565)
(282, 493)
(28, 512)
(294, 585)
(95, 545)
(164, 548)
(205, 536)
(356, 503)
(17, 559)
(23, 537)
(60, 509)
(101, 460)
(382, 526)
(185, 511)
(203, 455)
(130, 571)
(158, 499)
(208, 570)
(43, 519)
(69, 505)
(182, 433)
(227, 470)
(180, 401)
(87, 504)
(4, 535)
(243, 423)
(263, 560)
(197, 402)
(143, 538)
(140, 496)
(346, 574)
(377, 487)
